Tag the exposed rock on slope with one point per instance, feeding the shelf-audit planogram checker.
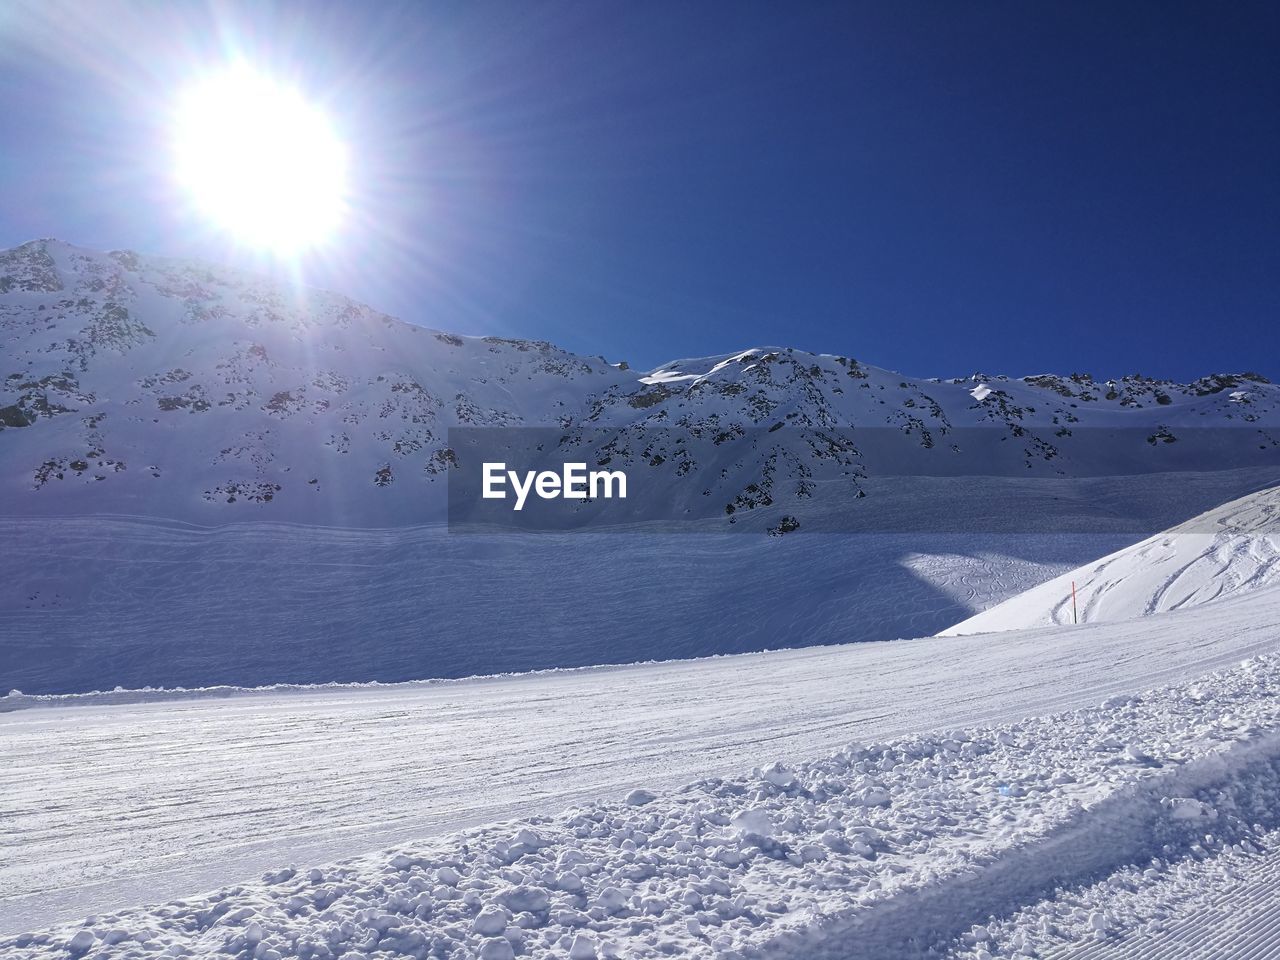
(141, 385)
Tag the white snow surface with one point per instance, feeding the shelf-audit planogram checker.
(1217, 897)
(89, 603)
(1230, 550)
(157, 800)
(887, 847)
(92, 603)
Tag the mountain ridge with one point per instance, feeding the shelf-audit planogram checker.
(174, 388)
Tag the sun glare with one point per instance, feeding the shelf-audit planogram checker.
(259, 161)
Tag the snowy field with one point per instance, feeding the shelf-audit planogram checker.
(171, 798)
(94, 603)
(893, 846)
(1229, 550)
(1101, 790)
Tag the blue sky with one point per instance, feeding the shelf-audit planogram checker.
(935, 187)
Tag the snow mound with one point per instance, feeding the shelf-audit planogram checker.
(1227, 551)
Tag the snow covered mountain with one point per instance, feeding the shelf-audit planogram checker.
(144, 386)
(1230, 550)
(1094, 788)
(150, 407)
(162, 388)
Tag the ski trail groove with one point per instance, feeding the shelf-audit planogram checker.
(1115, 832)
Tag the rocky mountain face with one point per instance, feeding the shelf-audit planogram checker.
(146, 386)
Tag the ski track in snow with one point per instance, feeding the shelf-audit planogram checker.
(890, 849)
(1175, 916)
(1216, 894)
(104, 806)
(1230, 550)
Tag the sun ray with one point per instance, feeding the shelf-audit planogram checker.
(259, 161)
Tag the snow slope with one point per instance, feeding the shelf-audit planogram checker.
(1219, 897)
(888, 848)
(93, 603)
(1229, 550)
(210, 477)
(165, 799)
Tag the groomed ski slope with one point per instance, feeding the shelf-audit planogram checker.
(884, 849)
(1227, 551)
(1215, 900)
(168, 799)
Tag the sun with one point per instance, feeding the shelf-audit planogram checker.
(259, 161)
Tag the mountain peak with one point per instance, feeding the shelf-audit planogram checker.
(149, 385)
